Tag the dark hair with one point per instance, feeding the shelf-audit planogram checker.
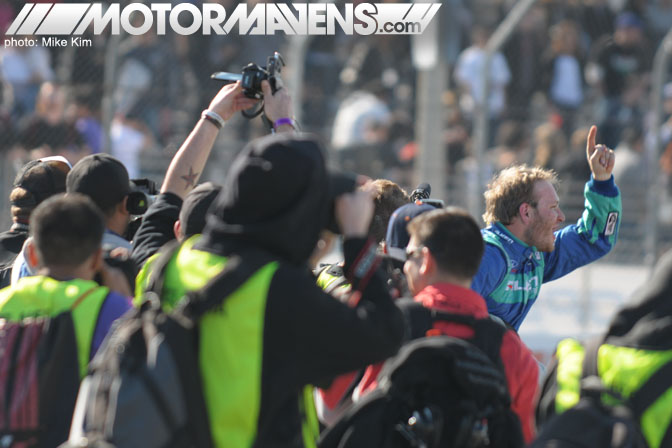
(66, 229)
(453, 238)
(389, 197)
(35, 182)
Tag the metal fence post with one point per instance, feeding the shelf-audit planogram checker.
(109, 84)
(430, 163)
(297, 57)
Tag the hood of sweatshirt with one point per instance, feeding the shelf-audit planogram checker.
(276, 198)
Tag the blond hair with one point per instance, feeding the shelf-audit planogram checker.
(510, 188)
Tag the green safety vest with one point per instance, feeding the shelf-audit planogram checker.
(623, 369)
(231, 340)
(44, 296)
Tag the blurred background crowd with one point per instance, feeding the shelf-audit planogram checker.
(568, 64)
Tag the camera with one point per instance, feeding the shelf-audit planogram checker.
(139, 199)
(251, 77)
(142, 196)
(397, 285)
(421, 195)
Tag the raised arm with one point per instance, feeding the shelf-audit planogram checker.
(595, 234)
(187, 165)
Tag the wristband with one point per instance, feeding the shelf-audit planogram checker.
(214, 118)
(282, 121)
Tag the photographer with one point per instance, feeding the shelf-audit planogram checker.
(104, 179)
(332, 401)
(66, 233)
(163, 221)
(279, 331)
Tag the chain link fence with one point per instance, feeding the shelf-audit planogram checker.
(138, 97)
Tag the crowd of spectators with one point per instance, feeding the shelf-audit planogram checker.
(251, 240)
(567, 64)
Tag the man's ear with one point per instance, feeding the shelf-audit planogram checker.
(428, 265)
(122, 207)
(97, 260)
(177, 230)
(525, 212)
(31, 254)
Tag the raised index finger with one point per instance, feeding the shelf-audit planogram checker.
(590, 144)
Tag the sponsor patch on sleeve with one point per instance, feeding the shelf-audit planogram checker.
(610, 228)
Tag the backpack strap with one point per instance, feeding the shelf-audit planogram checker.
(591, 349)
(238, 269)
(667, 438)
(488, 334)
(417, 318)
(81, 298)
(652, 389)
(591, 384)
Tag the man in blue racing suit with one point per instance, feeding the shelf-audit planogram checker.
(524, 246)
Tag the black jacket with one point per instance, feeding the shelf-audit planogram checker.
(11, 243)
(277, 200)
(156, 228)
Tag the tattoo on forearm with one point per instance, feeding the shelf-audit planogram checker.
(190, 178)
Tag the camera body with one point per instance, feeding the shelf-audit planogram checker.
(253, 75)
(142, 196)
(250, 81)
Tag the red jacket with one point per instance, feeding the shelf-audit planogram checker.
(520, 366)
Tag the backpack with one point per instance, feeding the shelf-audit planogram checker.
(437, 391)
(602, 417)
(39, 378)
(144, 387)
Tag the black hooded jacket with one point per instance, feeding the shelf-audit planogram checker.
(644, 323)
(276, 199)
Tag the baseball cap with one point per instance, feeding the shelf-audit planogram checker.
(102, 177)
(41, 178)
(195, 207)
(397, 234)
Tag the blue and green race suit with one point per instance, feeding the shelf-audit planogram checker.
(512, 272)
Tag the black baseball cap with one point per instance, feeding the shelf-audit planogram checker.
(102, 177)
(41, 178)
(195, 207)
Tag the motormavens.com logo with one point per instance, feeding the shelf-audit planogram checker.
(48, 19)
